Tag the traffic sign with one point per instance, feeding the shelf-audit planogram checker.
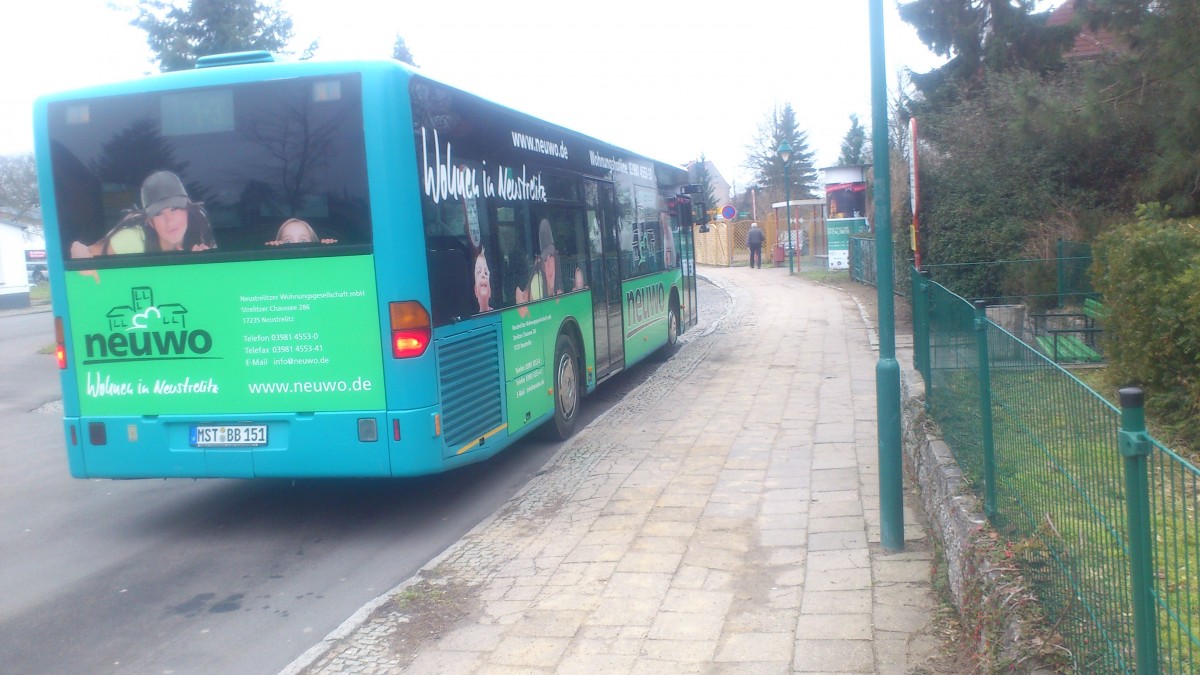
(728, 213)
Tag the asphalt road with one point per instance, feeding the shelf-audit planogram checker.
(178, 576)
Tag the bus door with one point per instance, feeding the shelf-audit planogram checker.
(606, 278)
(685, 245)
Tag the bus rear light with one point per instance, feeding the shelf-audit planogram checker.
(396, 429)
(409, 343)
(411, 329)
(60, 344)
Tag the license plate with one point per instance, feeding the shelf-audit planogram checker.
(229, 435)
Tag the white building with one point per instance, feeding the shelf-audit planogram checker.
(19, 234)
(720, 186)
(14, 280)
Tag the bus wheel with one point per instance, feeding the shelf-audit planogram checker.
(666, 350)
(566, 387)
(673, 325)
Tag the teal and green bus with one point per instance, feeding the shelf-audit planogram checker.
(305, 269)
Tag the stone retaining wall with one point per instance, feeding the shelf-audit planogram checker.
(982, 590)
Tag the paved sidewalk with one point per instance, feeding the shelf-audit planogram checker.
(722, 518)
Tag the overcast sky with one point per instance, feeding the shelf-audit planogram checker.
(670, 79)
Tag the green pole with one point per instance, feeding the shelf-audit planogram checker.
(1134, 445)
(985, 411)
(887, 370)
(787, 197)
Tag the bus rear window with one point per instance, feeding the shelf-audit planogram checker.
(271, 169)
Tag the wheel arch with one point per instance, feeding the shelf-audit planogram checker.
(570, 328)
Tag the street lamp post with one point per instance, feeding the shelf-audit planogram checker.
(785, 153)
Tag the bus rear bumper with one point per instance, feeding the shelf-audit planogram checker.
(329, 444)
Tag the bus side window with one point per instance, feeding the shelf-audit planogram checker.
(451, 280)
(572, 249)
(513, 267)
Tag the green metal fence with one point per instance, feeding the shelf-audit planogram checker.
(862, 259)
(1041, 283)
(1101, 518)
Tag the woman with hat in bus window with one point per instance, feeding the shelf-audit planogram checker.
(168, 221)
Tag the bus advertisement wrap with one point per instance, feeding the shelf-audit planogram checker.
(645, 307)
(529, 338)
(271, 336)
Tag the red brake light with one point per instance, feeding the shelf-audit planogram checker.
(411, 329)
(409, 343)
(60, 348)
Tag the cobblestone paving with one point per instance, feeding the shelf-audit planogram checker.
(722, 518)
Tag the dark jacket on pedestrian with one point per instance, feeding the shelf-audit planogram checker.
(755, 236)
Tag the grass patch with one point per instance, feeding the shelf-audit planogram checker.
(826, 276)
(1060, 493)
(39, 294)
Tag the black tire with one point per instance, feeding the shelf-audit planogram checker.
(567, 390)
(672, 344)
(673, 325)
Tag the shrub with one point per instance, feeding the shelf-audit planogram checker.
(1149, 273)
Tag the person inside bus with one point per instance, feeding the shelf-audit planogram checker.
(544, 281)
(514, 265)
(296, 231)
(168, 221)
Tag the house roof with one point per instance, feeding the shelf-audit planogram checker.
(1089, 44)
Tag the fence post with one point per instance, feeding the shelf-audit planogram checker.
(1135, 447)
(915, 283)
(1060, 273)
(922, 351)
(985, 411)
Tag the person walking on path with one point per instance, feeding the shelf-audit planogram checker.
(754, 240)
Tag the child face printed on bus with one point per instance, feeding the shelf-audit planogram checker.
(296, 231)
(483, 282)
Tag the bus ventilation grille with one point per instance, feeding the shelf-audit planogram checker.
(471, 385)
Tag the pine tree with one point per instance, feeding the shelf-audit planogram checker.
(855, 147)
(1153, 76)
(981, 36)
(178, 36)
(401, 53)
(702, 176)
(780, 125)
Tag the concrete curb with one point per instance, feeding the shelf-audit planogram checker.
(32, 309)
